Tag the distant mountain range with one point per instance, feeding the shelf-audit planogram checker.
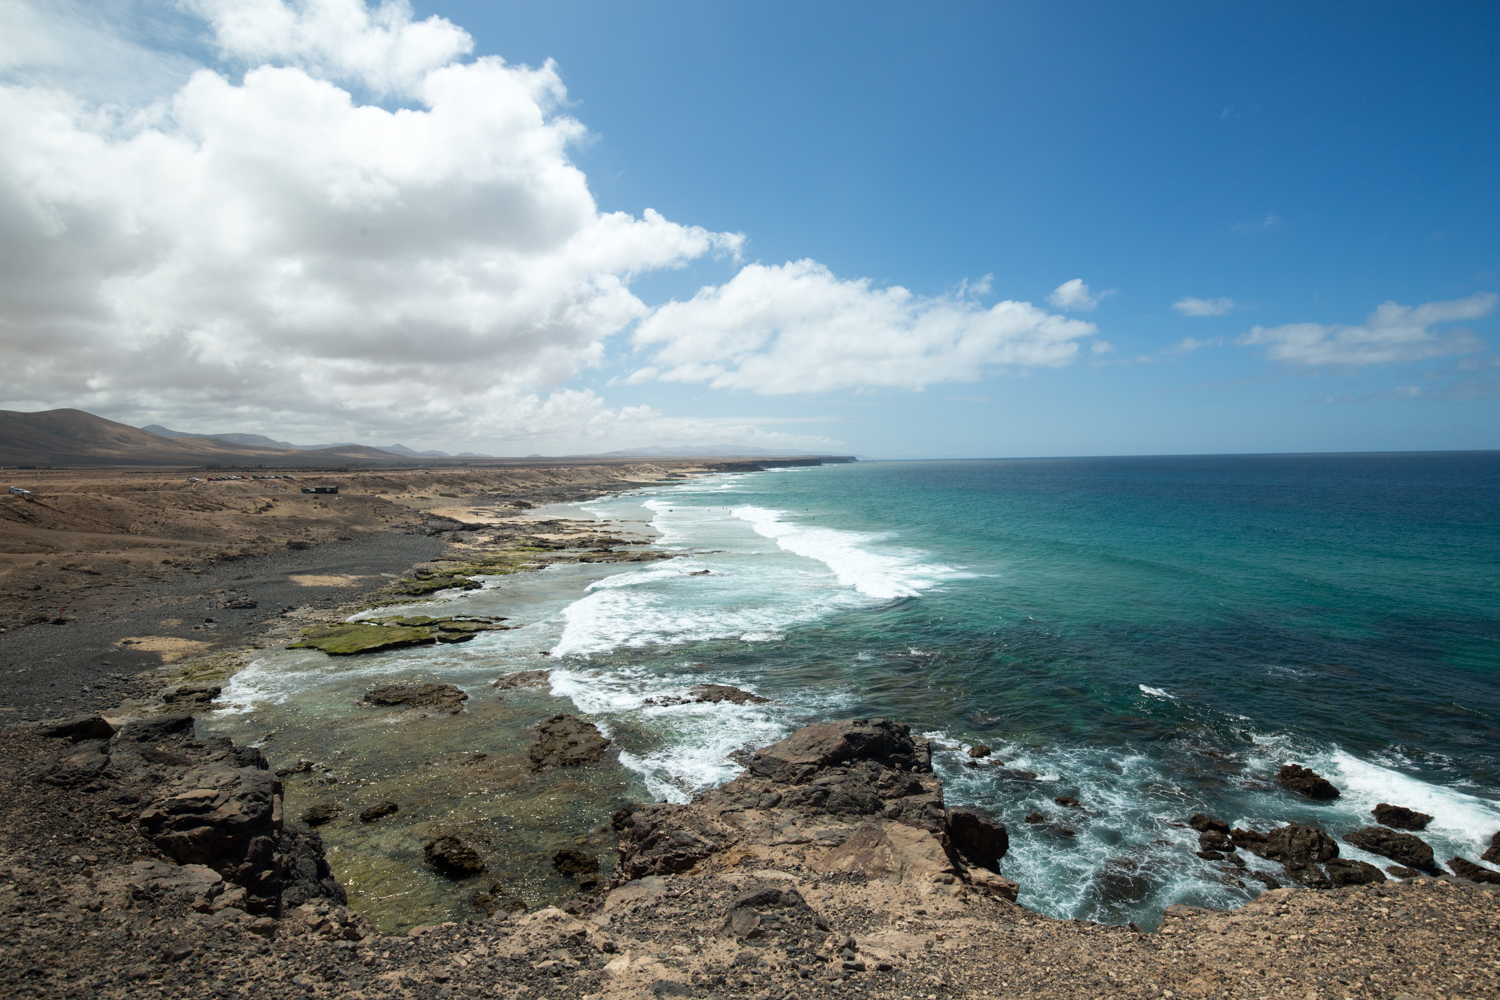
(72, 437)
(261, 441)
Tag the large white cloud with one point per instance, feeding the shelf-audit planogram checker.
(795, 327)
(269, 245)
(1392, 333)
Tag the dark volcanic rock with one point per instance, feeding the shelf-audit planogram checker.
(978, 838)
(522, 679)
(715, 693)
(1343, 871)
(1492, 853)
(566, 741)
(322, 812)
(306, 877)
(1402, 848)
(79, 727)
(1301, 849)
(1214, 840)
(979, 750)
(665, 839)
(379, 811)
(1401, 871)
(1249, 840)
(443, 697)
(453, 857)
(1296, 778)
(812, 748)
(1400, 817)
(1203, 824)
(1068, 802)
(571, 862)
(1474, 873)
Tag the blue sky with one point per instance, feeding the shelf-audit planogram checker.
(1276, 171)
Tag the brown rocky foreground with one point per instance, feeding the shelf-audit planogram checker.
(148, 863)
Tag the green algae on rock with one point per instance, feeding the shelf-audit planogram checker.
(360, 637)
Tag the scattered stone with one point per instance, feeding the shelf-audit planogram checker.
(1403, 848)
(379, 811)
(319, 814)
(453, 858)
(566, 741)
(1400, 817)
(1344, 871)
(1492, 853)
(1464, 868)
(522, 679)
(1296, 778)
(1204, 824)
(442, 697)
(979, 750)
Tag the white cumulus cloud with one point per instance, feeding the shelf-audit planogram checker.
(1074, 296)
(1190, 306)
(1392, 333)
(795, 327)
(256, 247)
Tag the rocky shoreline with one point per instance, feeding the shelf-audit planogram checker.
(142, 860)
(147, 862)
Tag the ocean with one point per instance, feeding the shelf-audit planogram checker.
(1153, 637)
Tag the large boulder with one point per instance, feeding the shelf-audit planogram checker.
(566, 741)
(977, 837)
(1492, 853)
(1402, 848)
(1465, 868)
(442, 697)
(1400, 817)
(1301, 850)
(1305, 782)
(453, 858)
(812, 748)
(1344, 871)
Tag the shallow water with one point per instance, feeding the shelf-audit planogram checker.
(1151, 636)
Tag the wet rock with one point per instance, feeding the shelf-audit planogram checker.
(379, 811)
(320, 813)
(453, 858)
(187, 695)
(1210, 855)
(1492, 853)
(494, 900)
(1035, 818)
(1344, 871)
(1301, 850)
(1401, 871)
(360, 637)
(306, 877)
(1266, 878)
(1464, 868)
(441, 697)
(977, 837)
(566, 741)
(570, 862)
(1296, 778)
(716, 693)
(77, 728)
(1403, 848)
(1126, 880)
(522, 679)
(1249, 840)
(1400, 817)
(1204, 824)
(1068, 802)
(1213, 840)
(979, 750)
(818, 746)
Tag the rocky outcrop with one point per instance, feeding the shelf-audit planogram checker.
(439, 697)
(207, 805)
(1301, 850)
(855, 797)
(373, 635)
(1345, 871)
(1465, 868)
(1492, 853)
(710, 694)
(1296, 778)
(1400, 817)
(522, 679)
(453, 858)
(566, 741)
(1402, 848)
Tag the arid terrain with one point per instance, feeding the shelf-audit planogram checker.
(139, 860)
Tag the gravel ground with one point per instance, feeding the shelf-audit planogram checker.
(56, 670)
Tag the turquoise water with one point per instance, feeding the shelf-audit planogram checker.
(1153, 637)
